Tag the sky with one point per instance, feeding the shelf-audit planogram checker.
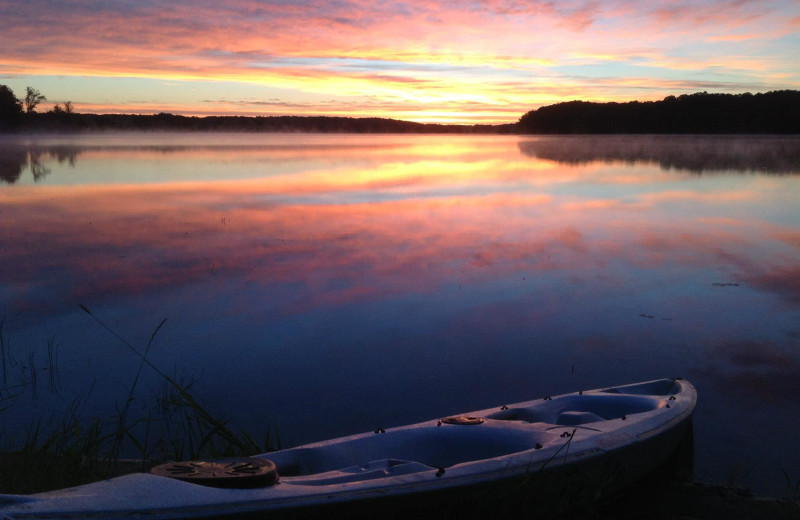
(445, 61)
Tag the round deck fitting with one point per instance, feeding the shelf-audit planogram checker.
(242, 472)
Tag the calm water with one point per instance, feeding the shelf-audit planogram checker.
(334, 284)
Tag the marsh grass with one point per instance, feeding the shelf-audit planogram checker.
(67, 449)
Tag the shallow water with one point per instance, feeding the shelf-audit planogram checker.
(332, 284)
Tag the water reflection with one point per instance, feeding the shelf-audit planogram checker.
(783, 281)
(384, 280)
(16, 159)
(230, 156)
(114, 242)
(747, 365)
(696, 154)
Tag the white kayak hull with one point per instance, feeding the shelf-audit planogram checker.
(541, 455)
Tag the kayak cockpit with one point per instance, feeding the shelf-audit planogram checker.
(433, 446)
(371, 470)
(575, 410)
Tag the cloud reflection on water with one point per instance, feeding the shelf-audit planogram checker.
(748, 365)
(119, 241)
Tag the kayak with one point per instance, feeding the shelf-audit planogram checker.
(540, 456)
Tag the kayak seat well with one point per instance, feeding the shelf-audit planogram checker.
(577, 418)
(574, 410)
(434, 447)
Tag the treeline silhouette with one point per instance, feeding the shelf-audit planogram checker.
(776, 112)
(52, 121)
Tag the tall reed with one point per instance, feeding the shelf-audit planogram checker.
(212, 426)
(66, 449)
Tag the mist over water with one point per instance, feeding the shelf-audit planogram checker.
(333, 284)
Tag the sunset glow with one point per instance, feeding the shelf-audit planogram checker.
(419, 60)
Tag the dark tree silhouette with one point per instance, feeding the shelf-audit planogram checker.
(775, 112)
(32, 99)
(10, 107)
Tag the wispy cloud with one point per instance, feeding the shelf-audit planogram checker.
(419, 52)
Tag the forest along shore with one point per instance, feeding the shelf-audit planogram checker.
(776, 112)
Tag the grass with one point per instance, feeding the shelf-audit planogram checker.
(68, 450)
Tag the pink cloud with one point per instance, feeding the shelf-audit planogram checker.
(506, 53)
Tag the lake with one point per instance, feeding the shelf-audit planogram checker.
(332, 284)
